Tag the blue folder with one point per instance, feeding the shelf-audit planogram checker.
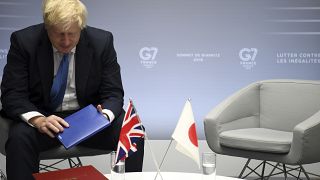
(82, 125)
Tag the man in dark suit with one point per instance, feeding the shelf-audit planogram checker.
(31, 79)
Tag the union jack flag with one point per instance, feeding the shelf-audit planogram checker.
(132, 131)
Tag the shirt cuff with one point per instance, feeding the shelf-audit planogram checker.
(27, 116)
(109, 114)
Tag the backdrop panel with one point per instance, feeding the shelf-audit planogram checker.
(172, 50)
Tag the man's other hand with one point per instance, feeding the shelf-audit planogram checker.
(50, 125)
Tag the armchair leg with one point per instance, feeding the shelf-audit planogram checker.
(73, 162)
(274, 168)
(304, 172)
(263, 168)
(287, 170)
(284, 171)
(244, 168)
(252, 170)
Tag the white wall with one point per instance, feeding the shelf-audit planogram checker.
(175, 161)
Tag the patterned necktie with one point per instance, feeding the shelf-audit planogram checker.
(59, 83)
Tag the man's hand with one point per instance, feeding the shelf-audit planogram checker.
(99, 108)
(49, 125)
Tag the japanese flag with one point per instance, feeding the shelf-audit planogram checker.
(186, 135)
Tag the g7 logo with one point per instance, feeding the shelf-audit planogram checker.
(248, 54)
(148, 53)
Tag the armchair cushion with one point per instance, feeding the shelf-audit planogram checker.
(257, 139)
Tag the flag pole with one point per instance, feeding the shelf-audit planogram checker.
(147, 139)
(165, 154)
(189, 99)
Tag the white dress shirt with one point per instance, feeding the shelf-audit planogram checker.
(70, 101)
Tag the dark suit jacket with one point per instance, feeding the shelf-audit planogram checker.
(28, 74)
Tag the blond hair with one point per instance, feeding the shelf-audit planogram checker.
(64, 13)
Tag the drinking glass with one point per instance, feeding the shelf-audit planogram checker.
(208, 165)
(117, 170)
(2, 176)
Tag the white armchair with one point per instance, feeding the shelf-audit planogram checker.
(272, 120)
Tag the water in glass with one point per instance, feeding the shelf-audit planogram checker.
(209, 165)
(117, 170)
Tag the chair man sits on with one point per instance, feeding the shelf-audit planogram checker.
(59, 153)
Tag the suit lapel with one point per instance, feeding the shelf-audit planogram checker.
(45, 62)
(83, 60)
